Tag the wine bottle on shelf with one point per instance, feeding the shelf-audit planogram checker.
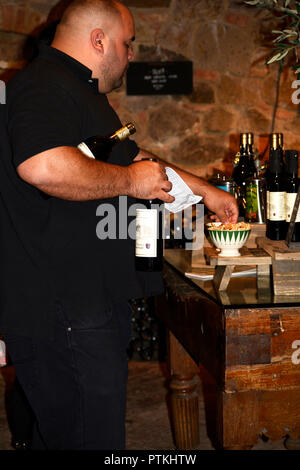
(276, 195)
(280, 141)
(100, 147)
(250, 151)
(277, 144)
(242, 172)
(292, 184)
(149, 235)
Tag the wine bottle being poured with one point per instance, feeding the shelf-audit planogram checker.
(100, 147)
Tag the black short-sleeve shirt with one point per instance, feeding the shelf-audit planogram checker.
(50, 248)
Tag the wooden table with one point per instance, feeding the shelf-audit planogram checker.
(247, 342)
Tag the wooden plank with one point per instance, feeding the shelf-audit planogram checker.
(238, 418)
(250, 331)
(280, 413)
(278, 249)
(286, 277)
(249, 256)
(285, 344)
(247, 350)
(272, 376)
(285, 266)
(263, 277)
(248, 321)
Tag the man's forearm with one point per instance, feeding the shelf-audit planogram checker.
(67, 174)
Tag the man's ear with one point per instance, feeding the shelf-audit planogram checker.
(97, 37)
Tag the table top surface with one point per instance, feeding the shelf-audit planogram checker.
(241, 292)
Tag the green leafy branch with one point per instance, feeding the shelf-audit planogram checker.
(288, 39)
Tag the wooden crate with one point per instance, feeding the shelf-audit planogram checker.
(285, 266)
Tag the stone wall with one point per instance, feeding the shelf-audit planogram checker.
(234, 91)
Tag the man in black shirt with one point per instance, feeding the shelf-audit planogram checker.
(64, 292)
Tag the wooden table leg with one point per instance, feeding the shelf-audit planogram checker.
(222, 277)
(184, 396)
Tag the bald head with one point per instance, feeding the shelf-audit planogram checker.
(97, 33)
(82, 16)
(82, 13)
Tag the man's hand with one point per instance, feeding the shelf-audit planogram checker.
(148, 180)
(222, 203)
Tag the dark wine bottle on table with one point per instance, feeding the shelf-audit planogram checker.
(100, 147)
(292, 184)
(149, 235)
(242, 172)
(276, 194)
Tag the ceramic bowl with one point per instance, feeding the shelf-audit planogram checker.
(228, 241)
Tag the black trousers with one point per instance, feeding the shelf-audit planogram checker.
(76, 382)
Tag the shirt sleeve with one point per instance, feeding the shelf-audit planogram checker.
(133, 149)
(41, 119)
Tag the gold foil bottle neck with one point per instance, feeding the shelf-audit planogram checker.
(250, 138)
(243, 139)
(276, 141)
(124, 132)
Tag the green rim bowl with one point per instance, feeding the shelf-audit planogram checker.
(228, 241)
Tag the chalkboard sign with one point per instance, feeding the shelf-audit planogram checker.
(160, 78)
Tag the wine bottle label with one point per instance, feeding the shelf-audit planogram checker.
(289, 204)
(276, 206)
(84, 149)
(146, 233)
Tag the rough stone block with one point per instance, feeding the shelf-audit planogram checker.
(237, 18)
(198, 150)
(195, 10)
(12, 46)
(251, 91)
(206, 74)
(7, 17)
(147, 3)
(285, 90)
(219, 120)
(203, 93)
(230, 90)
(170, 120)
(153, 53)
(148, 25)
(258, 62)
(177, 36)
(257, 121)
(223, 47)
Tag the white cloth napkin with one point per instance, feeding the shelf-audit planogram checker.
(184, 196)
